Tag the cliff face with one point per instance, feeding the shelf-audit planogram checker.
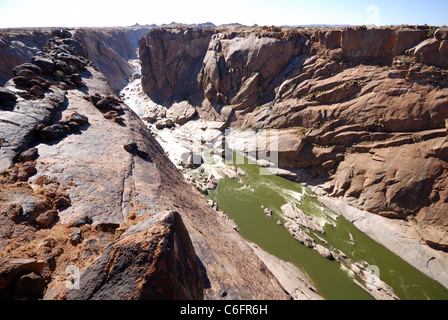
(359, 110)
(91, 207)
(172, 62)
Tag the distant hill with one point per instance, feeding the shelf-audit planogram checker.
(318, 25)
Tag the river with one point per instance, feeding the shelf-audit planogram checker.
(242, 200)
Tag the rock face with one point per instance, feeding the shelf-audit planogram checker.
(181, 113)
(172, 61)
(153, 260)
(361, 109)
(110, 51)
(84, 183)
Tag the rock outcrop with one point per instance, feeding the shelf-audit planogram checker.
(18, 47)
(153, 260)
(84, 183)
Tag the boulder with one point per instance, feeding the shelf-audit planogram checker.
(11, 270)
(84, 220)
(324, 252)
(431, 51)
(6, 97)
(228, 172)
(29, 155)
(53, 132)
(104, 226)
(62, 201)
(26, 170)
(79, 118)
(74, 126)
(76, 237)
(103, 104)
(181, 113)
(140, 148)
(76, 79)
(300, 235)
(299, 217)
(44, 220)
(441, 34)
(47, 65)
(37, 91)
(73, 61)
(130, 268)
(27, 66)
(22, 81)
(267, 212)
(30, 286)
(193, 161)
(164, 123)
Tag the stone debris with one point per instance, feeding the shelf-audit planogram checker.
(299, 217)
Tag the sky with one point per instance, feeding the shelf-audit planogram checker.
(94, 13)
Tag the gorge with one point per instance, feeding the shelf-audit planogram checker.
(125, 146)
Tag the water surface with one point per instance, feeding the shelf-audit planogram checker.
(242, 199)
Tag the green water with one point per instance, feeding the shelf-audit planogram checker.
(242, 201)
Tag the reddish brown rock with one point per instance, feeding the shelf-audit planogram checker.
(441, 34)
(432, 51)
(45, 219)
(15, 273)
(153, 260)
(30, 286)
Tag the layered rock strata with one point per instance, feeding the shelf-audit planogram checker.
(361, 109)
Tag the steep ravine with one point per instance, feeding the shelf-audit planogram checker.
(240, 195)
(91, 206)
(350, 113)
(361, 125)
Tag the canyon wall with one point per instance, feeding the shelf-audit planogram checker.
(91, 207)
(359, 111)
(88, 192)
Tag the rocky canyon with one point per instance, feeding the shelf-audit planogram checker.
(93, 206)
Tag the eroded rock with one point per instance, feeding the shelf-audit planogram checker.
(20, 274)
(6, 97)
(299, 217)
(137, 272)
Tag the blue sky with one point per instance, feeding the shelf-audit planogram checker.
(28, 13)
